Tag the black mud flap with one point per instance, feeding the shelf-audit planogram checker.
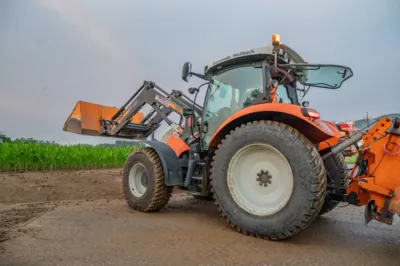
(171, 164)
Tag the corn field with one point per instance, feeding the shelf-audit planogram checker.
(18, 156)
(352, 159)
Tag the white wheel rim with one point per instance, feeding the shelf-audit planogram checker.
(138, 180)
(244, 169)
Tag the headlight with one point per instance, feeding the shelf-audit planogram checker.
(326, 127)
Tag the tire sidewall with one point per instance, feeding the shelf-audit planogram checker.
(144, 200)
(294, 150)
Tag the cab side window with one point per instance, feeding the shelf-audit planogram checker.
(282, 94)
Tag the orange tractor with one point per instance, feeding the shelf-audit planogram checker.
(267, 160)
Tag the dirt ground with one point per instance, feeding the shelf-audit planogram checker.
(80, 218)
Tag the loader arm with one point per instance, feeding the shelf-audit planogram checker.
(128, 121)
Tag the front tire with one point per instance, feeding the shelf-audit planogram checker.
(143, 181)
(268, 180)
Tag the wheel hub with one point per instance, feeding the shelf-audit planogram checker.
(264, 178)
(138, 180)
(143, 179)
(262, 197)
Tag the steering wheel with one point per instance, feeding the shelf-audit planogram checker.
(218, 113)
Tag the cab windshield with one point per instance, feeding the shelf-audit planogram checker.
(232, 90)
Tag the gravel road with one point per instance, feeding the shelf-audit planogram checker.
(65, 227)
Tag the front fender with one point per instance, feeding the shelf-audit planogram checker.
(332, 141)
(314, 129)
(171, 164)
(177, 144)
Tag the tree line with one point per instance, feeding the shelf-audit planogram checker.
(118, 143)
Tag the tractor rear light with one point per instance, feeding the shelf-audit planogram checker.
(344, 127)
(310, 113)
(338, 126)
(313, 114)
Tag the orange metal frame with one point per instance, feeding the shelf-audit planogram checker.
(382, 183)
(310, 127)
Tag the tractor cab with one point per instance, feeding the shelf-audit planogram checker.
(269, 74)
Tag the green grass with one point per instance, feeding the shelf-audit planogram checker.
(19, 156)
(352, 159)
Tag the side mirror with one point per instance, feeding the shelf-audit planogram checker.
(305, 104)
(192, 90)
(186, 71)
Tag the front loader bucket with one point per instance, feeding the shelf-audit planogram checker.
(85, 118)
(130, 121)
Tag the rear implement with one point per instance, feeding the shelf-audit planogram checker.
(374, 179)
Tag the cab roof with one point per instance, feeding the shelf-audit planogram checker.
(286, 55)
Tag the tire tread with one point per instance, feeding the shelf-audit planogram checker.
(318, 188)
(161, 193)
(342, 174)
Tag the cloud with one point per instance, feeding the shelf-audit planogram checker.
(77, 17)
(101, 51)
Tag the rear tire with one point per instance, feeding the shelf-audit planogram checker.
(143, 181)
(289, 157)
(335, 166)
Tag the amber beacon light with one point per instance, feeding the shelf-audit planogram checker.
(276, 38)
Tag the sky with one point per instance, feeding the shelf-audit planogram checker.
(54, 53)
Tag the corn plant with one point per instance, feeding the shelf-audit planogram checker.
(20, 156)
